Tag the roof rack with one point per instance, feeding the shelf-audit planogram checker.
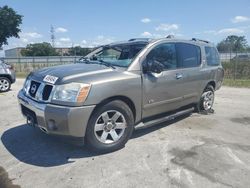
(195, 39)
(140, 39)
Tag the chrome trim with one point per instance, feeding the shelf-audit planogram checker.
(38, 108)
(39, 93)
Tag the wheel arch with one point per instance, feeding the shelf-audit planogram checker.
(212, 83)
(6, 76)
(124, 99)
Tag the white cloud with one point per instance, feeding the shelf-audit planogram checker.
(84, 42)
(230, 31)
(64, 39)
(145, 20)
(146, 34)
(61, 30)
(238, 19)
(167, 27)
(225, 31)
(31, 35)
(100, 40)
(24, 40)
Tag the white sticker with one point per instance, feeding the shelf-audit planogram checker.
(50, 79)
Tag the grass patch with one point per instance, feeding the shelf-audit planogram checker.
(21, 74)
(236, 83)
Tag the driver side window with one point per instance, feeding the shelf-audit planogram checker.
(164, 54)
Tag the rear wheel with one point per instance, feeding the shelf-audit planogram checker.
(110, 127)
(206, 101)
(5, 84)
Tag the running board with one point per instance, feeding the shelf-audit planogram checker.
(143, 125)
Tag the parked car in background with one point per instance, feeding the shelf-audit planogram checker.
(242, 57)
(7, 76)
(120, 87)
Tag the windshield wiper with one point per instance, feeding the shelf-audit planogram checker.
(107, 64)
(101, 62)
(84, 59)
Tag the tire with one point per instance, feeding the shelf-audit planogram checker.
(5, 84)
(109, 127)
(206, 101)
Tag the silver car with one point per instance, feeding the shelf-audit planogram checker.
(121, 87)
(7, 76)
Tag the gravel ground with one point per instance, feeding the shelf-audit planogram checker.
(194, 151)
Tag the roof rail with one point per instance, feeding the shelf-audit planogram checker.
(195, 39)
(170, 36)
(140, 39)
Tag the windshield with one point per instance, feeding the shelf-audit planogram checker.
(117, 55)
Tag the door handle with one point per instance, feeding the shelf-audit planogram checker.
(178, 76)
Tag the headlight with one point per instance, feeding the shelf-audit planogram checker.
(26, 85)
(73, 92)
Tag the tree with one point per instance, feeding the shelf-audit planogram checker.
(79, 51)
(9, 24)
(39, 49)
(233, 43)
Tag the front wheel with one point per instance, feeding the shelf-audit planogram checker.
(206, 101)
(110, 127)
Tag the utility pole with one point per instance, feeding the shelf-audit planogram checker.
(52, 36)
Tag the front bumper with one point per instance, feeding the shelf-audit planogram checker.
(55, 119)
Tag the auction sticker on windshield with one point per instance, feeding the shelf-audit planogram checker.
(50, 79)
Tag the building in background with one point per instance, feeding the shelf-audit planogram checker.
(13, 52)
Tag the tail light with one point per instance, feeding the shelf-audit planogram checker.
(11, 67)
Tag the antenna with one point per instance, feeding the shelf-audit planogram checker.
(52, 36)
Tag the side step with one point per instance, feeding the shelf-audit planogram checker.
(143, 125)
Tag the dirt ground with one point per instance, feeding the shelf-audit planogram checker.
(194, 151)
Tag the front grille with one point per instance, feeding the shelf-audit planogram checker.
(46, 92)
(39, 91)
(33, 88)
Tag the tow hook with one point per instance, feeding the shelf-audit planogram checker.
(30, 121)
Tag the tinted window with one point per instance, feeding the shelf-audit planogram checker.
(212, 56)
(188, 55)
(164, 54)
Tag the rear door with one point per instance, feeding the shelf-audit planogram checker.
(190, 69)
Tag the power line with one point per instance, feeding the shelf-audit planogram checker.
(52, 36)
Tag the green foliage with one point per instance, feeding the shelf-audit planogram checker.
(9, 24)
(39, 49)
(236, 83)
(233, 43)
(238, 70)
(79, 51)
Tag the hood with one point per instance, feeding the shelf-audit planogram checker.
(73, 72)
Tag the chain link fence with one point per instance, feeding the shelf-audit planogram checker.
(236, 65)
(28, 64)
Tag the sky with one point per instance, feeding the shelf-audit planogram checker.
(96, 22)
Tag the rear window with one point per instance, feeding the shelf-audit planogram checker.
(212, 56)
(188, 55)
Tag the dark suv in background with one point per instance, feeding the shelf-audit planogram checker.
(7, 76)
(122, 86)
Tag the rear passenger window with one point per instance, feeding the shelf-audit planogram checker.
(188, 55)
(212, 56)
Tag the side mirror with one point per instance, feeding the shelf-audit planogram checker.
(153, 66)
(157, 67)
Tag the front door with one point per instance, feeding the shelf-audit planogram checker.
(163, 91)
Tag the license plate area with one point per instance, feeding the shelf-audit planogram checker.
(31, 116)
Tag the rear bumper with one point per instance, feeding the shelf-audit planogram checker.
(55, 119)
